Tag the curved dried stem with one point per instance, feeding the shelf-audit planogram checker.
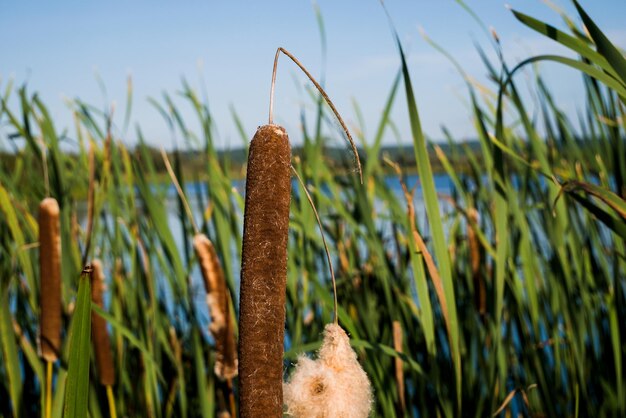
(319, 223)
(324, 95)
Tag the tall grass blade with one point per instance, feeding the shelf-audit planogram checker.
(10, 353)
(77, 391)
(566, 40)
(432, 209)
(604, 45)
(8, 209)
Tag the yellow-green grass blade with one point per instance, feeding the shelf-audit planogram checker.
(128, 334)
(421, 286)
(10, 357)
(604, 45)
(77, 390)
(616, 84)
(436, 225)
(566, 40)
(500, 217)
(158, 216)
(373, 159)
(59, 394)
(7, 207)
(205, 397)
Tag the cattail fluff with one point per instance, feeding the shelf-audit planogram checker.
(99, 334)
(333, 386)
(264, 274)
(218, 301)
(50, 276)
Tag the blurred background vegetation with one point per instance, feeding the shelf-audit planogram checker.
(503, 275)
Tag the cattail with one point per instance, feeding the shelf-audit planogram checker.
(99, 334)
(264, 273)
(218, 301)
(334, 385)
(50, 276)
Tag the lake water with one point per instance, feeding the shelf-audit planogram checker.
(443, 186)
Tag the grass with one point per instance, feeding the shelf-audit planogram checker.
(536, 224)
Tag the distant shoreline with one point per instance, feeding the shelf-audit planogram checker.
(194, 163)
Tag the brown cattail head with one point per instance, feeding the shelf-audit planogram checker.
(218, 301)
(334, 385)
(50, 276)
(264, 274)
(99, 334)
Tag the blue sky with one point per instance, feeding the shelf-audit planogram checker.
(226, 49)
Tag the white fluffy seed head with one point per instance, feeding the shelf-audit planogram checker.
(333, 386)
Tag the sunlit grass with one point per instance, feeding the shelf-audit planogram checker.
(517, 302)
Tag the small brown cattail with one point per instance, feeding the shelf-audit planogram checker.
(50, 276)
(264, 273)
(334, 385)
(99, 334)
(218, 301)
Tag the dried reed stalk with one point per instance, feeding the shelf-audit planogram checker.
(50, 276)
(399, 371)
(218, 301)
(264, 273)
(99, 333)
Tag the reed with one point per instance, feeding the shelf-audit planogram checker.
(538, 282)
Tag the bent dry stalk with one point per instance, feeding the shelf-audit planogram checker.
(264, 273)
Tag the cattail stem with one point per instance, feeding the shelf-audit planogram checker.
(264, 274)
(48, 405)
(111, 399)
